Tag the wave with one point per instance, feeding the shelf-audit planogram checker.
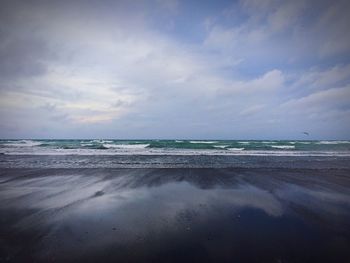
(157, 152)
(169, 144)
(126, 146)
(283, 146)
(221, 146)
(194, 147)
(209, 142)
(235, 149)
(333, 142)
(100, 141)
(87, 144)
(22, 143)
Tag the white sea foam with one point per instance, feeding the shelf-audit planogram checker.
(126, 146)
(333, 142)
(101, 141)
(235, 149)
(29, 147)
(203, 142)
(283, 146)
(87, 144)
(148, 151)
(22, 143)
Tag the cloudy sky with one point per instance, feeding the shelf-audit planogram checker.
(247, 69)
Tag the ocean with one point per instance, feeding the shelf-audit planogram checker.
(174, 201)
(175, 147)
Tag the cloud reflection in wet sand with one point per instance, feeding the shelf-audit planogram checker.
(137, 215)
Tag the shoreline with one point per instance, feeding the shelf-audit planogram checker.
(172, 161)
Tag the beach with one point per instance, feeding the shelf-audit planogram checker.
(174, 131)
(163, 208)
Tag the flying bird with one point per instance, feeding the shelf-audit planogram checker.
(306, 133)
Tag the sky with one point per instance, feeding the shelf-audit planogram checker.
(168, 69)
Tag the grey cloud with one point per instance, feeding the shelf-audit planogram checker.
(49, 107)
(273, 32)
(119, 103)
(103, 68)
(59, 117)
(23, 53)
(22, 57)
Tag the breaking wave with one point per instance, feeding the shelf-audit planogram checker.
(176, 147)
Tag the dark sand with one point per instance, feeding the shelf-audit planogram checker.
(175, 215)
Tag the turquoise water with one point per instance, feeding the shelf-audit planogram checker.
(173, 147)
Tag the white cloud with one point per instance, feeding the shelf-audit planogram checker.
(316, 80)
(335, 98)
(261, 86)
(252, 110)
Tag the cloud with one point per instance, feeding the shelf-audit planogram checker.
(262, 85)
(252, 110)
(169, 5)
(335, 98)
(318, 79)
(332, 24)
(273, 31)
(120, 69)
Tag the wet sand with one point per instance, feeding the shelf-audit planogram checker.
(175, 215)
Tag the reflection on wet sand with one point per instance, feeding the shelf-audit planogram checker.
(174, 215)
